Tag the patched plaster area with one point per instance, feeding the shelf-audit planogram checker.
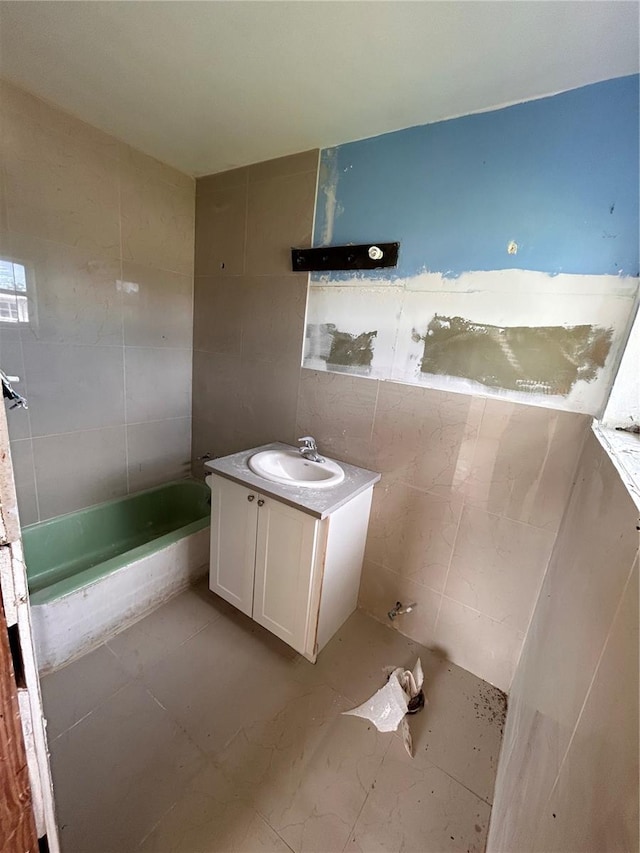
(521, 335)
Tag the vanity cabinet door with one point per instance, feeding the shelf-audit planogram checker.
(234, 519)
(285, 549)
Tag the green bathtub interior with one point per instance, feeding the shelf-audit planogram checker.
(71, 551)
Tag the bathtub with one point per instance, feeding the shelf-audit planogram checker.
(95, 571)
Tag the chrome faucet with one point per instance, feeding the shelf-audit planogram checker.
(309, 449)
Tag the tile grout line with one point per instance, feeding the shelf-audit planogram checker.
(108, 426)
(592, 681)
(556, 537)
(124, 349)
(158, 822)
(33, 455)
(366, 799)
(92, 711)
(375, 414)
(443, 595)
(446, 577)
(462, 508)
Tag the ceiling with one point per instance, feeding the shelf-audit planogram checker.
(206, 86)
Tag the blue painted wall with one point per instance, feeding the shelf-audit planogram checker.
(558, 175)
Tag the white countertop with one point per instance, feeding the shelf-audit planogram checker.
(317, 502)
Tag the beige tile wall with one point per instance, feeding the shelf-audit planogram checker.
(568, 773)
(465, 516)
(473, 490)
(106, 235)
(249, 305)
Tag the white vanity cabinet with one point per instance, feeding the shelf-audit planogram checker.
(296, 574)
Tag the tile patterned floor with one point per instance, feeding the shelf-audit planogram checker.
(196, 731)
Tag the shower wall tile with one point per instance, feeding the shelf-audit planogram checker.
(216, 386)
(425, 438)
(105, 234)
(73, 295)
(602, 763)
(158, 383)
(428, 522)
(338, 410)
(279, 217)
(412, 533)
(158, 452)
(73, 387)
(463, 477)
(3, 200)
(158, 222)
(478, 643)
(380, 588)
(27, 115)
(207, 438)
(523, 462)
(273, 318)
(23, 471)
(587, 574)
(59, 176)
(248, 328)
(572, 723)
(157, 307)
(153, 169)
(268, 400)
(304, 161)
(223, 180)
(217, 322)
(12, 362)
(79, 469)
(497, 566)
(216, 405)
(221, 216)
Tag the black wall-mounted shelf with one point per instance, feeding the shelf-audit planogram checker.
(344, 258)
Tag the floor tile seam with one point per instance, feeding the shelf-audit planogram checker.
(308, 690)
(181, 727)
(457, 781)
(348, 699)
(263, 817)
(139, 672)
(158, 822)
(129, 681)
(367, 795)
(170, 808)
(448, 773)
(455, 778)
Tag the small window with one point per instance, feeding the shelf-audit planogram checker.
(14, 306)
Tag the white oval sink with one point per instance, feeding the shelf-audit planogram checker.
(289, 468)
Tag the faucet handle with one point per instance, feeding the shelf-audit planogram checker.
(308, 442)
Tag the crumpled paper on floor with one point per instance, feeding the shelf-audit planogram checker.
(387, 708)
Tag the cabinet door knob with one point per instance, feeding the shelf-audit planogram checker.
(251, 497)
(260, 503)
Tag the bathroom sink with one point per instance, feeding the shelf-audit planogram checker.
(289, 468)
